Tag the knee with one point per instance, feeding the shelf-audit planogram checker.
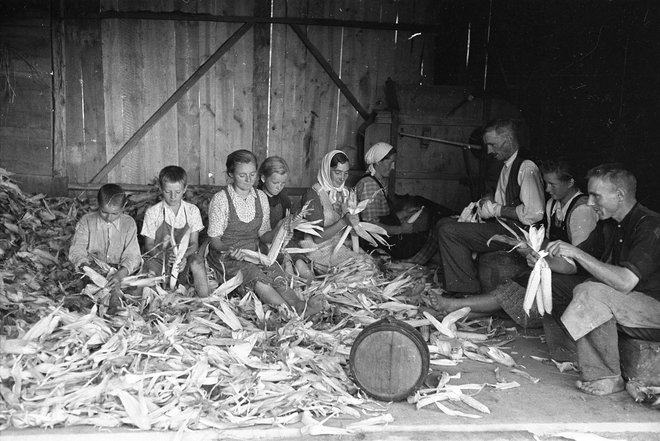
(445, 226)
(587, 292)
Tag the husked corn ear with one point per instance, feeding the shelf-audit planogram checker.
(546, 288)
(180, 251)
(474, 403)
(497, 355)
(539, 299)
(532, 286)
(95, 277)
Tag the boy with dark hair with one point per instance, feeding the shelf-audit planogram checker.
(110, 236)
(173, 215)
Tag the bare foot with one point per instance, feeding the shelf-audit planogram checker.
(604, 386)
(440, 304)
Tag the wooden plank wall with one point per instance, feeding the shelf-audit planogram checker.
(267, 94)
(26, 91)
(297, 112)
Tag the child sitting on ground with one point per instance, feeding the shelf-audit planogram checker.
(273, 177)
(172, 210)
(110, 236)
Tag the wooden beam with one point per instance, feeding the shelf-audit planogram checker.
(145, 188)
(171, 101)
(302, 21)
(328, 69)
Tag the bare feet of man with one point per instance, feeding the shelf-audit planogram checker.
(603, 386)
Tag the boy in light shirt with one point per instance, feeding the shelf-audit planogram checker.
(110, 236)
(172, 210)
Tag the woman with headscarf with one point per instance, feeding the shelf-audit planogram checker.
(405, 238)
(327, 200)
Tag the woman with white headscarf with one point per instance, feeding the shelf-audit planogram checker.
(327, 198)
(405, 239)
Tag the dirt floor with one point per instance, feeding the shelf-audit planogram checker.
(533, 411)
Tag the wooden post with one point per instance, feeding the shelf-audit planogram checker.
(171, 101)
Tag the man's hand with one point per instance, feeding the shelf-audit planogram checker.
(559, 248)
(488, 209)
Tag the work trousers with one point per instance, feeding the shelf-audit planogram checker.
(594, 318)
(457, 241)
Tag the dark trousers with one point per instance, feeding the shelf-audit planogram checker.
(599, 349)
(457, 241)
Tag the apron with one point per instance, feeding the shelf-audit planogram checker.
(164, 229)
(239, 234)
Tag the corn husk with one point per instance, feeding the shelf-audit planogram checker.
(179, 251)
(415, 215)
(169, 361)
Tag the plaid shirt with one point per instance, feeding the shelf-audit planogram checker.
(427, 251)
(366, 188)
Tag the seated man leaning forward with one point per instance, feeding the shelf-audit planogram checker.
(623, 256)
(518, 200)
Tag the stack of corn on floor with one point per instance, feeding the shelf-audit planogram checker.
(532, 411)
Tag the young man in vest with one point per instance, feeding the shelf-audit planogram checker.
(518, 200)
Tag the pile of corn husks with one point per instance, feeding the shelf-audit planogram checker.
(170, 361)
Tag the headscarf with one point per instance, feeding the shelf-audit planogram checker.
(325, 180)
(375, 154)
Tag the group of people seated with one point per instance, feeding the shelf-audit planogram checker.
(603, 247)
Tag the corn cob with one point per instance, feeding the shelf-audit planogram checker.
(532, 286)
(95, 277)
(539, 298)
(546, 288)
(474, 403)
(180, 251)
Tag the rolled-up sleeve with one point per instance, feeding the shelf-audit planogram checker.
(582, 222)
(79, 243)
(532, 196)
(265, 218)
(131, 259)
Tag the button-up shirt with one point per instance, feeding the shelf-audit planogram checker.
(114, 243)
(633, 243)
(532, 195)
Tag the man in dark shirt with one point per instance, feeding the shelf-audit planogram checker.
(622, 256)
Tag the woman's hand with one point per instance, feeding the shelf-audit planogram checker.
(406, 228)
(237, 254)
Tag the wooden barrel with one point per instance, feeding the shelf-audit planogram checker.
(389, 360)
